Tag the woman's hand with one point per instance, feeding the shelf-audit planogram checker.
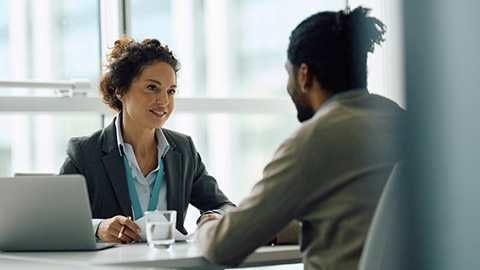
(272, 241)
(109, 229)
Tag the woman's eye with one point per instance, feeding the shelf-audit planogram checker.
(152, 87)
(172, 91)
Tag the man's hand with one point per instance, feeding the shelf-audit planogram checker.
(109, 229)
(209, 216)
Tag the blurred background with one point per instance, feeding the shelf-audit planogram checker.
(232, 94)
(232, 85)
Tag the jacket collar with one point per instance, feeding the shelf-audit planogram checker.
(112, 161)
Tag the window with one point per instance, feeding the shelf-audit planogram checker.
(45, 40)
(49, 39)
(231, 48)
(232, 85)
(225, 53)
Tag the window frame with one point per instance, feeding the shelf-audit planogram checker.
(114, 21)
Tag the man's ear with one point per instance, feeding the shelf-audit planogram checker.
(304, 77)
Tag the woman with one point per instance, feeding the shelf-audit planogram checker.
(134, 165)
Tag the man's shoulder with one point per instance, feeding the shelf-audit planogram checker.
(342, 119)
(358, 108)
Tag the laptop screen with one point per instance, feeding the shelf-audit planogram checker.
(45, 213)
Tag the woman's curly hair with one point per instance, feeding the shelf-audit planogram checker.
(126, 61)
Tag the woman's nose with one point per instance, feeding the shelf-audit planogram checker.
(162, 98)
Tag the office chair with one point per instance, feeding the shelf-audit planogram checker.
(383, 248)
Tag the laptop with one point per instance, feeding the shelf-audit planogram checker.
(46, 213)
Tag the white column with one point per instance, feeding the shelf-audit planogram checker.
(18, 39)
(386, 65)
(44, 137)
(395, 53)
(183, 48)
(19, 62)
(21, 144)
(218, 54)
(44, 60)
(111, 24)
(218, 68)
(42, 39)
(184, 43)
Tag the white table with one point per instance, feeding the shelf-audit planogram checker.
(182, 256)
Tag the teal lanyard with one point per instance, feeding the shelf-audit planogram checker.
(152, 205)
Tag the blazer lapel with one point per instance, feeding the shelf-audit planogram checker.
(113, 164)
(173, 169)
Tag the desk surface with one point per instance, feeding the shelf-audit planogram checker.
(181, 256)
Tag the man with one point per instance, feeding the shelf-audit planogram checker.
(330, 173)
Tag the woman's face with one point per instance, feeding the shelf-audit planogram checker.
(150, 100)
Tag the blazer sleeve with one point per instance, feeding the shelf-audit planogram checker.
(206, 194)
(73, 163)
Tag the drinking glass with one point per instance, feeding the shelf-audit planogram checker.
(160, 226)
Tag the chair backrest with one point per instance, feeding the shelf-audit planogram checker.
(383, 248)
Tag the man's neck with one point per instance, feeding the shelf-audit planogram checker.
(318, 97)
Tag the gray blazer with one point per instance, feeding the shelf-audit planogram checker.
(97, 158)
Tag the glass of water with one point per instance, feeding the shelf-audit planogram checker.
(160, 226)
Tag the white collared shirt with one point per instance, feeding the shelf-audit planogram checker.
(143, 185)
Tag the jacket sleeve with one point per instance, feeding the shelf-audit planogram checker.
(73, 163)
(206, 194)
(264, 213)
